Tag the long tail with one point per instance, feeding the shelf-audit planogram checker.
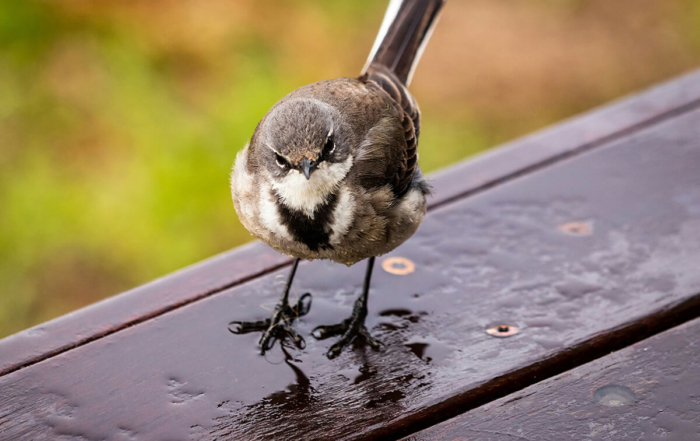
(405, 31)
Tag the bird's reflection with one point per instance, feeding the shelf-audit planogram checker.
(297, 395)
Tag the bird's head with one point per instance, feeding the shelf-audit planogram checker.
(298, 137)
(300, 143)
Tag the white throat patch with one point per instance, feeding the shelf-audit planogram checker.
(298, 193)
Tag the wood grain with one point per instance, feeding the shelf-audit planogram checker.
(647, 391)
(506, 255)
(210, 277)
(137, 305)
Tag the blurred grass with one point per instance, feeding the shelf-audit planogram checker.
(119, 120)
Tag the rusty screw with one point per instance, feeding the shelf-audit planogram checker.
(502, 330)
(398, 265)
(576, 228)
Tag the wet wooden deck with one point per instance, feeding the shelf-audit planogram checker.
(583, 238)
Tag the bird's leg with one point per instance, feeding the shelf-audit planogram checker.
(280, 323)
(353, 326)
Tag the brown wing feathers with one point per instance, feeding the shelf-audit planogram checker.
(402, 154)
(390, 68)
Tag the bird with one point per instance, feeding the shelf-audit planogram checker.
(331, 172)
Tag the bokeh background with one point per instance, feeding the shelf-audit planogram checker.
(120, 119)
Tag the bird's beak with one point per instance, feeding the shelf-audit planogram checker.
(308, 167)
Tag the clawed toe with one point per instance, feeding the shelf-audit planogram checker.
(299, 341)
(237, 327)
(373, 342)
(350, 329)
(279, 326)
(303, 305)
(323, 332)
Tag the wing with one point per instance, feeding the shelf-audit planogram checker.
(401, 140)
(405, 31)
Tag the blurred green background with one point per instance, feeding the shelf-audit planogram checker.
(119, 120)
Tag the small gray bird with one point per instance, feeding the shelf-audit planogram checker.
(331, 171)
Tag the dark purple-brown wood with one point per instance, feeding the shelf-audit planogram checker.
(214, 275)
(137, 305)
(649, 391)
(586, 255)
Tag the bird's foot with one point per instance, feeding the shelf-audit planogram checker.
(278, 326)
(352, 327)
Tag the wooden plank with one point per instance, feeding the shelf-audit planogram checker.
(137, 305)
(214, 275)
(510, 254)
(645, 392)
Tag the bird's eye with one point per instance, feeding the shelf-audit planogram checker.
(329, 147)
(281, 161)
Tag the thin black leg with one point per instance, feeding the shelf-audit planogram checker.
(353, 326)
(280, 323)
(290, 279)
(365, 286)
